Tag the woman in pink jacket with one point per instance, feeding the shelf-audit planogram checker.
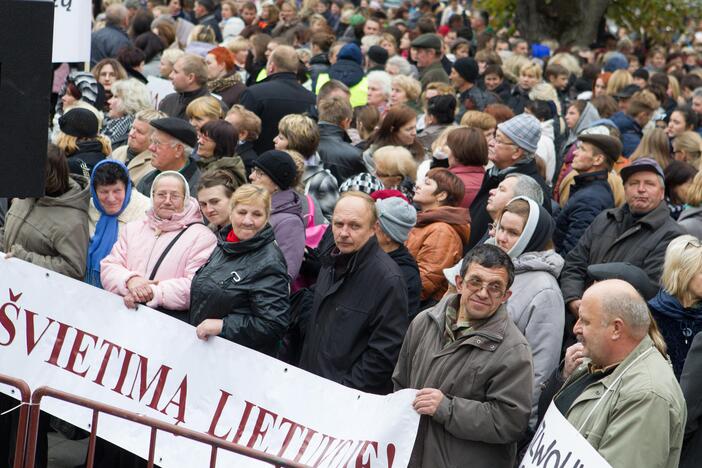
(154, 260)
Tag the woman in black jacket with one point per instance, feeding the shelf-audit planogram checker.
(241, 293)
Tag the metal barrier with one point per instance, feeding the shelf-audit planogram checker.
(25, 395)
(155, 424)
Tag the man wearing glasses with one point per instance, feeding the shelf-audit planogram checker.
(472, 367)
(171, 144)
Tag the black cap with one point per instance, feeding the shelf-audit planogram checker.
(640, 165)
(279, 166)
(468, 69)
(79, 122)
(177, 128)
(378, 54)
(632, 274)
(610, 146)
(627, 91)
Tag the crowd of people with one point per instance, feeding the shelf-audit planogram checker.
(396, 195)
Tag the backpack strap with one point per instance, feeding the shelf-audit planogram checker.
(167, 249)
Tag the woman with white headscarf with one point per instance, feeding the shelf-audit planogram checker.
(154, 259)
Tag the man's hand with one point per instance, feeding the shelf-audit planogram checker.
(209, 327)
(140, 289)
(574, 356)
(427, 401)
(574, 307)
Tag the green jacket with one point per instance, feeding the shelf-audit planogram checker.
(640, 421)
(432, 73)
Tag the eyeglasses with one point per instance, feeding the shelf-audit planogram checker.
(503, 143)
(495, 290)
(161, 196)
(156, 142)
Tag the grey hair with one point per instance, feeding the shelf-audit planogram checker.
(527, 187)
(697, 92)
(401, 63)
(383, 78)
(632, 310)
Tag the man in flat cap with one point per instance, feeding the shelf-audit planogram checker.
(590, 193)
(427, 49)
(172, 143)
(638, 232)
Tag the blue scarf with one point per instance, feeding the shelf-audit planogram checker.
(106, 230)
(670, 306)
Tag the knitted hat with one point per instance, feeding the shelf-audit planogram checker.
(378, 54)
(177, 128)
(351, 52)
(396, 217)
(79, 122)
(524, 130)
(468, 69)
(616, 61)
(279, 166)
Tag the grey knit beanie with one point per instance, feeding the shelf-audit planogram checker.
(396, 217)
(524, 130)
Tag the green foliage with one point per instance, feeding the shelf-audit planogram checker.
(501, 11)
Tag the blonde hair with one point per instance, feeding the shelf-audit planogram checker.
(545, 92)
(134, 94)
(205, 107)
(694, 194)
(477, 119)
(443, 136)
(299, 161)
(250, 122)
(397, 160)
(249, 194)
(674, 86)
(568, 61)
(69, 143)
(411, 87)
(683, 261)
(691, 143)
(202, 33)
(533, 69)
(513, 65)
(237, 45)
(618, 81)
(653, 144)
(301, 132)
(171, 55)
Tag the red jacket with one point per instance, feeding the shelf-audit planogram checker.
(472, 178)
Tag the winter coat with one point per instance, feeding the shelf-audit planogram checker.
(433, 73)
(246, 285)
(273, 98)
(141, 243)
(476, 99)
(691, 385)
(318, 64)
(117, 130)
(691, 221)
(358, 319)
(472, 178)
(211, 21)
(248, 155)
(338, 154)
(562, 194)
(518, 99)
(631, 132)
(51, 232)
(191, 173)
(478, 214)
(606, 240)
(536, 307)
(427, 136)
(174, 104)
(546, 149)
(410, 271)
(436, 242)
(347, 71)
(106, 42)
(229, 88)
(641, 419)
(589, 196)
(321, 185)
(231, 27)
(138, 164)
(486, 379)
(135, 210)
(232, 164)
(84, 160)
(677, 324)
(286, 220)
(504, 92)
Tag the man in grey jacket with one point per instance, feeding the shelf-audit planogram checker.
(473, 368)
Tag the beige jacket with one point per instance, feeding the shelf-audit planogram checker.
(138, 167)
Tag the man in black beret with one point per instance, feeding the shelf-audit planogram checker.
(428, 53)
(464, 75)
(172, 144)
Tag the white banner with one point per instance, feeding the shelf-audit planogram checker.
(558, 444)
(63, 333)
(72, 25)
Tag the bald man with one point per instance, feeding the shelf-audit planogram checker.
(621, 393)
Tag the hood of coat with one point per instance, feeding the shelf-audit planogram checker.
(262, 237)
(455, 216)
(77, 196)
(690, 212)
(586, 120)
(402, 257)
(88, 146)
(347, 71)
(286, 201)
(546, 260)
(190, 214)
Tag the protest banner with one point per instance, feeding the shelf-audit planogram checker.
(72, 23)
(558, 444)
(60, 332)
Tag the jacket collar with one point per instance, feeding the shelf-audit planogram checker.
(486, 334)
(329, 129)
(588, 177)
(281, 76)
(655, 219)
(357, 258)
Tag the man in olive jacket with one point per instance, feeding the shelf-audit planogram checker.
(621, 394)
(359, 314)
(473, 369)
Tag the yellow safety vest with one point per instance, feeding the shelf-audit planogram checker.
(262, 75)
(359, 92)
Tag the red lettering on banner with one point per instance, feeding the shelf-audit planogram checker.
(223, 398)
(352, 453)
(105, 360)
(244, 420)
(141, 372)
(123, 371)
(330, 441)
(31, 342)
(58, 344)
(182, 393)
(305, 443)
(291, 432)
(258, 427)
(359, 458)
(6, 323)
(77, 351)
